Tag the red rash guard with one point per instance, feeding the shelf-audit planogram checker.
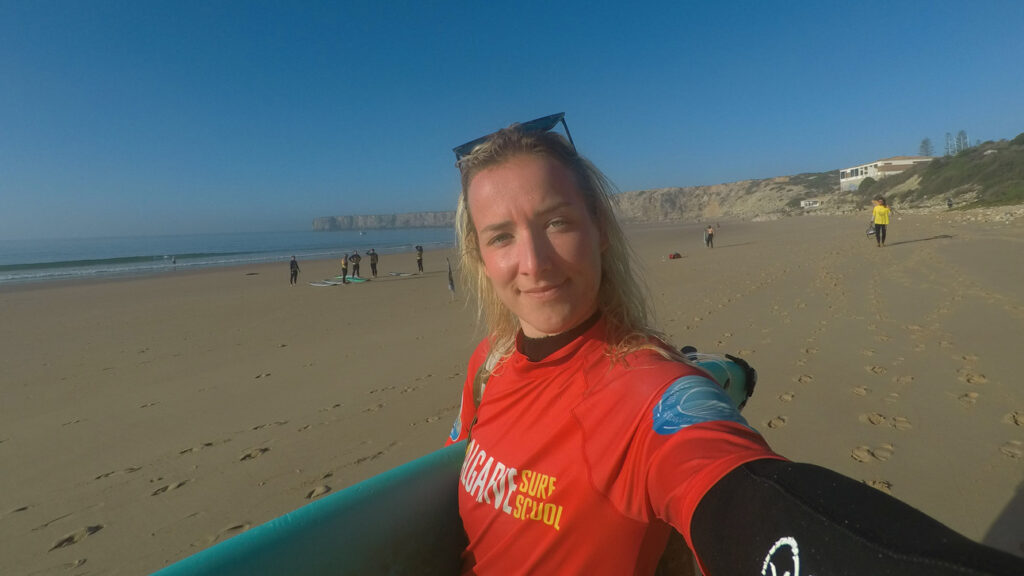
(579, 466)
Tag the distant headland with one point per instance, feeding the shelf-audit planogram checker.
(382, 221)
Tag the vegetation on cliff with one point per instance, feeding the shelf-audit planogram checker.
(990, 174)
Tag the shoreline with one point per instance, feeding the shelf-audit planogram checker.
(176, 411)
(257, 268)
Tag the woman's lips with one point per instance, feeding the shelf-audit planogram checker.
(541, 292)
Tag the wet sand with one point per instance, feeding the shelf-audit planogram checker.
(145, 419)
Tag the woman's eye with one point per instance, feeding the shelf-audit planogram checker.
(558, 223)
(499, 239)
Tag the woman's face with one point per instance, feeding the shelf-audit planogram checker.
(540, 246)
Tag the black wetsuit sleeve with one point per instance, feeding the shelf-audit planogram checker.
(810, 521)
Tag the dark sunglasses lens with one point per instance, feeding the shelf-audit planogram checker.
(544, 124)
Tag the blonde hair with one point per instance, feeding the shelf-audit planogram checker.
(622, 299)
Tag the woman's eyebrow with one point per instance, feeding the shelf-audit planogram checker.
(506, 224)
(496, 227)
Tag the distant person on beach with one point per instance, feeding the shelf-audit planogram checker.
(949, 202)
(880, 216)
(373, 262)
(293, 267)
(344, 268)
(451, 280)
(355, 259)
(709, 237)
(590, 437)
(419, 258)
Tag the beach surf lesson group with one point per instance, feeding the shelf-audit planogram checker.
(584, 439)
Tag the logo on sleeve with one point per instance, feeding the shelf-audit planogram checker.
(456, 426)
(692, 400)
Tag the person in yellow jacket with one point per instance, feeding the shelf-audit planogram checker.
(880, 215)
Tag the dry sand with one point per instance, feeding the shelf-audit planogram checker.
(142, 420)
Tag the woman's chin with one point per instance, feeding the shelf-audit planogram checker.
(550, 326)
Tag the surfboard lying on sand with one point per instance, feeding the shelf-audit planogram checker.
(404, 521)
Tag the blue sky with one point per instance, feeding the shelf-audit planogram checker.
(129, 117)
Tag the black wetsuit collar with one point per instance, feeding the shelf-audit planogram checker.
(537, 349)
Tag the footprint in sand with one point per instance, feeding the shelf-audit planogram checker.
(787, 396)
(229, 531)
(274, 423)
(1016, 418)
(968, 399)
(371, 457)
(868, 352)
(971, 377)
(127, 470)
(778, 422)
(866, 453)
(892, 397)
(76, 536)
(1013, 449)
(883, 452)
(900, 423)
(875, 369)
(253, 454)
(805, 379)
(168, 487)
(861, 454)
(861, 390)
(902, 380)
(873, 418)
(373, 408)
(203, 446)
(810, 351)
(883, 485)
(15, 510)
(318, 492)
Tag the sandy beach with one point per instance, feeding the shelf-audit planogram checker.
(145, 419)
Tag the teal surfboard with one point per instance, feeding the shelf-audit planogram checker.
(404, 521)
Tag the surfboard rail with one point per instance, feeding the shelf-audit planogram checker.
(408, 531)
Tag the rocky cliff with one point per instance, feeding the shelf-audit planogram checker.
(990, 174)
(747, 200)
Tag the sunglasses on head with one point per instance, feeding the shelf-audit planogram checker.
(545, 124)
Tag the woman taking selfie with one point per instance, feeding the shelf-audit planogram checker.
(591, 438)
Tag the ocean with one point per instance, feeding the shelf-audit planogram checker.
(63, 259)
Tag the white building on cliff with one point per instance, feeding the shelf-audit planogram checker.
(850, 178)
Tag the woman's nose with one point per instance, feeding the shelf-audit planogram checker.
(535, 253)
